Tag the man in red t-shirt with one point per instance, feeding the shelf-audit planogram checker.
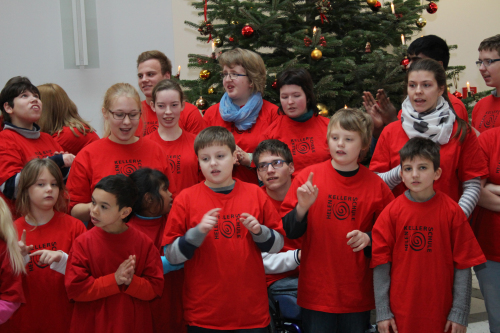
(422, 252)
(152, 67)
(275, 167)
(486, 111)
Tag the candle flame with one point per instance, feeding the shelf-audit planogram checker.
(345, 107)
(213, 46)
(403, 39)
(468, 86)
(314, 31)
(392, 8)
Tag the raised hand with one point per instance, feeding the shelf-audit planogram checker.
(251, 223)
(25, 249)
(243, 157)
(209, 220)
(47, 257)
(358, 240)
(387, 110)
(307, 193)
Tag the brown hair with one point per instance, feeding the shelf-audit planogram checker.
(353, 120)
(29, 176)
(214, 136)
(430, 65)
(167, 85)
(252, 63)
(420, 147)
(166, 65)
(113, 92)
(59, 111)
(490, 44)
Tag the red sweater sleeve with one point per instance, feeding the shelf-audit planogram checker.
(101, 287)
(191, 119)
(141, 288)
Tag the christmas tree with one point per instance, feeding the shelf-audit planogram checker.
(348, 46)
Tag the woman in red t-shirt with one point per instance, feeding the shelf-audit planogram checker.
(302, 129)
(60, 119)
(427, 113)
(242, 110)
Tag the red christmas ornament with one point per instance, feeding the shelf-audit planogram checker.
(376, 7)
(458, 95)
(322, 41)
(404, 63)
(275, 84)
(307, 41)
(231, 39)
(247, 31)
(399, 15)
(432, 8)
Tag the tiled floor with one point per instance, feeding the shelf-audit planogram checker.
(478, 319)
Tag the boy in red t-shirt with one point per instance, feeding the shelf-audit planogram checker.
(218, 228)
(275, 167)
(423, 248)
(113, 268)
(486, 111)
(21, 139)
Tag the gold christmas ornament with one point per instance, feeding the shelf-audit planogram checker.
(234, 22)
(205, 74)
(211, 90)
(323, 111)
(201, 103)
(218, 42)
(316, 54)
(371, 2)
(421, 22)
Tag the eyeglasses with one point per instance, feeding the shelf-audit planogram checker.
(231, 76)
(118, 115)
(276, 164)
(486, 63)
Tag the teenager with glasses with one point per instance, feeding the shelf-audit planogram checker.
(486, 111)
(119, 152)
(242, 110)
(303, 130)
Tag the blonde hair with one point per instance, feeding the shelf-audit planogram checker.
(29, 176)
(9, 235)
(252, 63)
(59, 111)
(113, 92)
(353, 120)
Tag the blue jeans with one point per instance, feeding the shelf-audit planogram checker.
(195, 329)
(324, 322)
(488, 275)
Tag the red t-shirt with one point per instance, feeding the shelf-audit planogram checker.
(486, 223)
(424, 241)
(307, 140)
(11, 285)
(166, 310)
(485, 113)
(458, 106)
(98, 253)
(290, 245)
(246, 140)
(105, 157)
(47, 306)
(184, 167)
(224, 283)
(459, 161)
(16, 151)
(190, 120)
(332, 277)
(71, 143)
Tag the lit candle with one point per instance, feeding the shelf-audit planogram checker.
(468, 86)
(403, 39)
(345, 107)
(314, 31)
(213, 47)
(179, 70)
(392, 8)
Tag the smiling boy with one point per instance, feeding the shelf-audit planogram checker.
(486, 112)
(218, 228)
(423, 239)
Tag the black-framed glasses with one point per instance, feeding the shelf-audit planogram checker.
(118, 115)
(276, 164)
(231, 76)
(486, 63)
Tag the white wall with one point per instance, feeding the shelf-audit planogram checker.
(31, 42)
(31, 45)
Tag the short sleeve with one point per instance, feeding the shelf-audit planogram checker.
(192, 122)
(383, 239)
(466, 249)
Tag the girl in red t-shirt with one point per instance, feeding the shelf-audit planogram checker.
(47, 237)
(427, 113)
(302, 129)
(150, 217)
(11, 266)
(60, 119)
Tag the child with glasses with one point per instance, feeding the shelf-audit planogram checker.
(118, 152)
(486, 112)
(303, 130)
(242, 110)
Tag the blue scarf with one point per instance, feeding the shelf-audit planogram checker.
(243, 117)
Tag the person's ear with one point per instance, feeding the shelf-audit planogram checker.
(291, 168)
(125, 211)
(104, 113)
(235, 157)
(152, 105)
(8, 108)
(437, 174)
(167, 75)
